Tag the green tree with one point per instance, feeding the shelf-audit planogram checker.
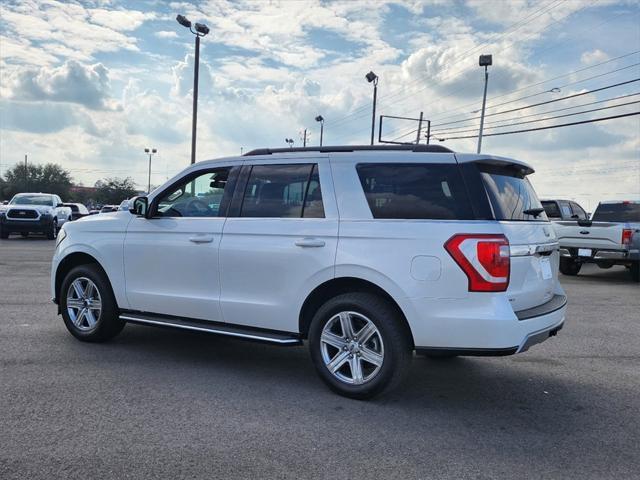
(49, 178)
(114, 190)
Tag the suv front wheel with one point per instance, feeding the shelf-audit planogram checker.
(359, 346)
(88, 305)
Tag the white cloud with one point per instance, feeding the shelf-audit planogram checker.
(71, 82)
(593, 56)
(166, 34)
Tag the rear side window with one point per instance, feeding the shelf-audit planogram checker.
(617, 212)
(415, 191)
(283, 191)
(551, 209)
(511, 195)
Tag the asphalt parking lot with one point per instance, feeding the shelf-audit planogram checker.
(161, 404)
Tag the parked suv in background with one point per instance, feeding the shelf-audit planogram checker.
(369, 253)
(33, 213)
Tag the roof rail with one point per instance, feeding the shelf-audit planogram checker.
(352, 148)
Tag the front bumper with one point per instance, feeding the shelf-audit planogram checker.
(43, 224)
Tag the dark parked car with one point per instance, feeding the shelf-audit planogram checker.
(78, 210)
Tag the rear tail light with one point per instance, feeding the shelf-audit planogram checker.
(484, 258)
(627, 235)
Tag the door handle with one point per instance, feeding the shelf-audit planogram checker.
(201, 239)
(309, 242)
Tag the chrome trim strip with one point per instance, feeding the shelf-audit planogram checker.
(211, 330)
(532, 249)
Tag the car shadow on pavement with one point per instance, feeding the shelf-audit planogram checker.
(499, 392)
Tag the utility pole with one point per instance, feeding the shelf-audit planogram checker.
(304, 140)
(485, 61)
(419, 128)
(26, 174)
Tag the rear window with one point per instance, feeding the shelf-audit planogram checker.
(551, 209)
(617, 212)
(415, 191)
(511, 195)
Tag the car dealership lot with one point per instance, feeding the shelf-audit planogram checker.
(160, 403)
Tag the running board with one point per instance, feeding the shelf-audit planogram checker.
(247, 333)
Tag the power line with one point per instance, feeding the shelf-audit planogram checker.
(600, 119)
(500, 51)
(542, 119)
(519, 117)
(538, 104)
(462, 57)
(536, 94)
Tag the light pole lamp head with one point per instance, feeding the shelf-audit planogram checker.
(319, 118)
(485, 60)
(153, 150)
(182, 20)
(371, 77)
(201, 28)
(146, 150)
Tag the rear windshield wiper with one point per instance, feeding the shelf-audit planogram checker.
(533, 211)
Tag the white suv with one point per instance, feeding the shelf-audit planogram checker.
(369, 253)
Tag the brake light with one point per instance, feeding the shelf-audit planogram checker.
(484, 258)
(627, 235)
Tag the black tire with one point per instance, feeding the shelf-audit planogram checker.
(605, 265)
(108, 324)
(568, 266)
(395, 338)
(635, 271)
(52, 233)
(4, 234)
(24, 234)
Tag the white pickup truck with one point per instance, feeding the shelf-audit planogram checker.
(610, 237)
(33, 213)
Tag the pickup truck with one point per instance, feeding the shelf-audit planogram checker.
(33, 213)
(610, 237)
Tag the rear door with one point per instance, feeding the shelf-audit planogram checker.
(279, 241)
(533, 245)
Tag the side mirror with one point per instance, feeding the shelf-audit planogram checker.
(139, 206)
(5, 202)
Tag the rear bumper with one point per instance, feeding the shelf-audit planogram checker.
(41, 225)
(604, 255)
(483, 326)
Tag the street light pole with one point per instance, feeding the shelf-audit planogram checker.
(150, 151)
(320, 119)
(485, 61)
(373, 78)
(200, 31)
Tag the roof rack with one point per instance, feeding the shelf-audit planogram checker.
(351, 148)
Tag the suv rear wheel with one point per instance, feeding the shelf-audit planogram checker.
(88, 305)
(359, 346)
(569, 266)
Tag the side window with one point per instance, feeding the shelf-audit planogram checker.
(283, 191)
(551, 209)
(202, 196)
(577, 210)
(566, 210)
(415, 191)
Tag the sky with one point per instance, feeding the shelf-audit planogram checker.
(90, 85)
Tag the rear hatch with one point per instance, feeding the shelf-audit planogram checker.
(587, 234)
(532, 241)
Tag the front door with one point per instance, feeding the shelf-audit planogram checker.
(171, 260)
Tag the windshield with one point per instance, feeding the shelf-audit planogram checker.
(32, 200)
(512, 196)
(617, 212)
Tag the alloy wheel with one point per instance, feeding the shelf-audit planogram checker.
(84, 304)
(352, 348)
